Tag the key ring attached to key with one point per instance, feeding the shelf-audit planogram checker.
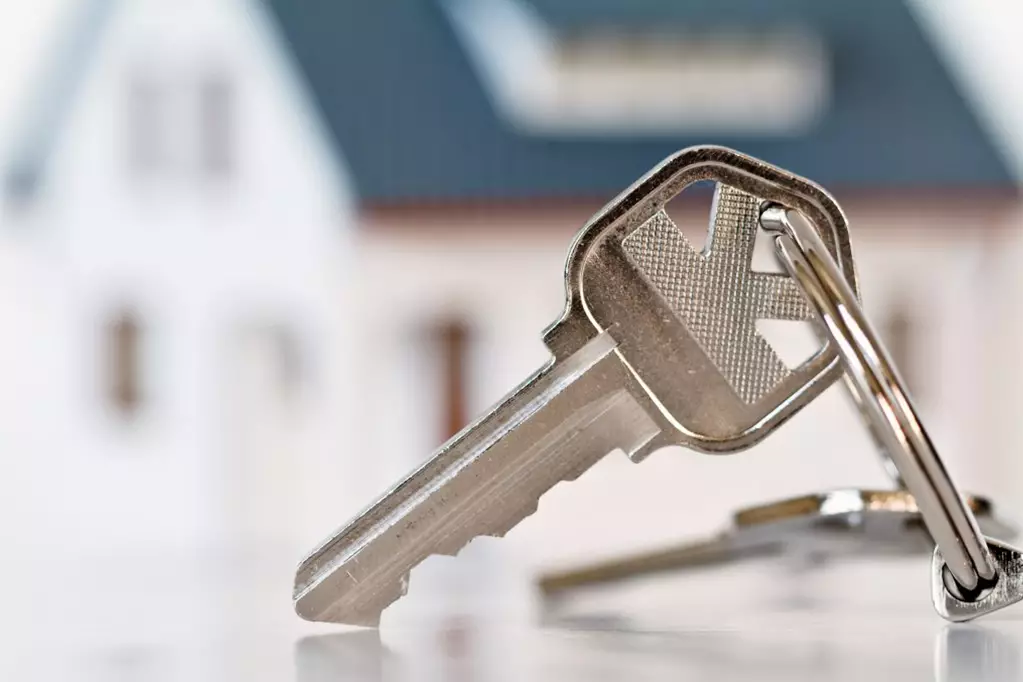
(973, 575)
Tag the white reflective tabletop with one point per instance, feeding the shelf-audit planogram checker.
(200, 620)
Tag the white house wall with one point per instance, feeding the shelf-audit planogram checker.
(201, 261)
(1001, 365)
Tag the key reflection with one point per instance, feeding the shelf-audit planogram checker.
(356, 655)
(451, 651)
(969, 653)
(612, 651)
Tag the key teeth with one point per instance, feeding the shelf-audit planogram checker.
(303, 590)
(402, 586)
(512, 520)
(519, 518)
(336, 595)
(490, 531)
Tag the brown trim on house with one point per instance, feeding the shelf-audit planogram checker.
(575, 211)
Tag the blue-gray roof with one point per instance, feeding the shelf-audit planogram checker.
(412, 120)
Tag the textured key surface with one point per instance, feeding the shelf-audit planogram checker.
(716, 294)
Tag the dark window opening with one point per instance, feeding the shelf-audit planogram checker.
(454, 339)
(124, 382)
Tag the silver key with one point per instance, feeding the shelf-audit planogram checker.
(657, 346)
(838, 523)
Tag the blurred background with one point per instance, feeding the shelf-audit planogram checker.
(259, 258)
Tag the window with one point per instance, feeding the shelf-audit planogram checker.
(642, 80)
(453, 338)
(146, 127)
(178, 125)
(216, 125)
(274, 361)
(124, 360)
(290, 365)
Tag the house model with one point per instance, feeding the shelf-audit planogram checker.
(260, 259)
(480, 136)
(178, 233)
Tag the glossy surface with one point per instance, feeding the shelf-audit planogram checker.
(227, 620)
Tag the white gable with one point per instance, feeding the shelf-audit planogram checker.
(214, 254)
(285, 169)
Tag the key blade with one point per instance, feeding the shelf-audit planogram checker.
(711, 553)
(482, 482)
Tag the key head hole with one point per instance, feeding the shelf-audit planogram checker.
(689, 210)
(765, 255)
(794, 342)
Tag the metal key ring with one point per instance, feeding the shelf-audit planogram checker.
(883, 400)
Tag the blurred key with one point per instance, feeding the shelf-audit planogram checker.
(833, 524)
